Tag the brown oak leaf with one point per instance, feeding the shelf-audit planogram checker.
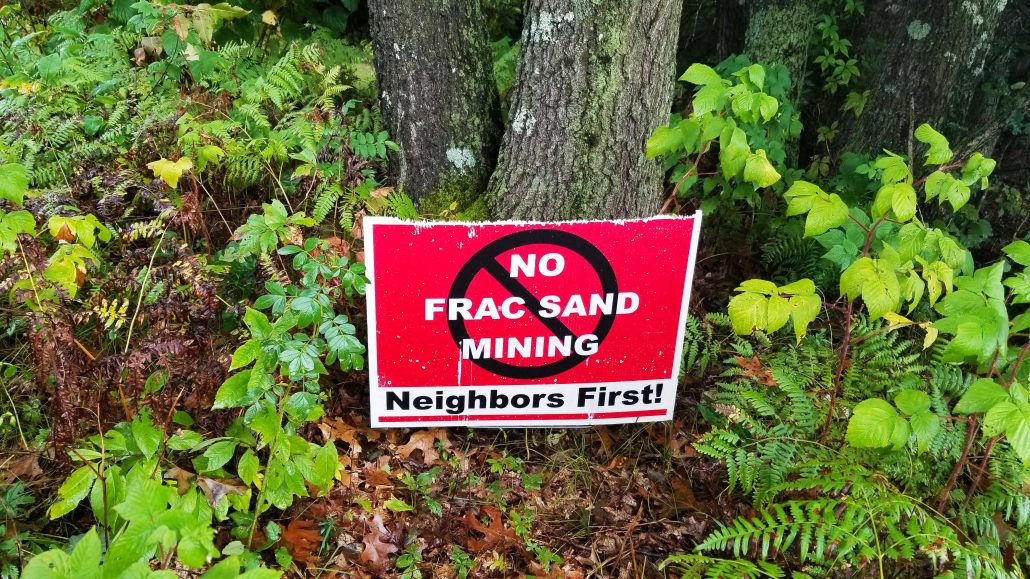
(425, 441)
(495, 535)
(377, 550)
(302, 540)
(376, 476)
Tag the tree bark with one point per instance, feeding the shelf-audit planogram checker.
(778, 32)
(594, 79)
(922, 62)
(437, 94)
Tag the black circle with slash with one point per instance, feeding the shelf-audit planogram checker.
(486, 260)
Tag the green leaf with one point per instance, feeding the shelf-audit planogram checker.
(826, 214)
(947, 188)
(981, 396)
(872, 424)
(1019, 252)
(903, 201)
(778, 313)
(396, 505)
(170, 171)
(85, 557)
(233, 392)
(245, 354)
(147, 436)
(208, 154)
(854, 277)
(733, 151)
(894, 169)
(258, 324)
(14, 182)
(881, 294)
(664, 140)
(799, 197)
(701, 74)
(219, 453)
(912, 401)
(327, 462)
(940, 151)
(249, 468)
(73, 490)
(144, 500)
(767, 106)
(12, 225)
(805, 309)
(748, 312)
(758, 286)
(925, 425)
(759, 171)
(825, 211)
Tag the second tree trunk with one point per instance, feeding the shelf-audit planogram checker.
(594, 79)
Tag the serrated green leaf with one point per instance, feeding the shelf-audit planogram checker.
(759, 171)
(872, 424)
(981, 396)
(903, 201)
(733, 151)
(940, 151)
(14, 182)
(234, 391)
(1019, 252)
(748, 312)
(73, 490)
(245, 354)
(912, 401)
(219, 453)
(805, 309)
(170, 171)
(894, 169)
(854, 277)
(925, 425)
(826, 213)
(701, 74)
(778, 313)
(758, 286)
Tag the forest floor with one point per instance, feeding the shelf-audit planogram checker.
(608, 501)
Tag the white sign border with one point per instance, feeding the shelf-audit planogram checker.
(368, 223)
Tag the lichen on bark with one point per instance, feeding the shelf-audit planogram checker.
(437, 92)
(594, 79)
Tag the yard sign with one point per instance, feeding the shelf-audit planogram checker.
(527, 324)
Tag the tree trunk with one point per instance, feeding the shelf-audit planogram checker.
(778, 32)
(437, 93)
(922, 62)
(594, 79)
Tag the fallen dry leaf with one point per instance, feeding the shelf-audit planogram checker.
(214, 489)
(495, 535)
(425, 440)
(181, 476)
(753, 369)
(25, 468)
(302, 540)
(335, 429)
(377, 551)
(376, 477)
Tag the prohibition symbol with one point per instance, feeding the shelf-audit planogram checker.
(485, 260)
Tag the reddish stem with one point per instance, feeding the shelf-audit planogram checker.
(845, 346)
(942, 500)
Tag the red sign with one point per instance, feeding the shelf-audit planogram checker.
(527, 324)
